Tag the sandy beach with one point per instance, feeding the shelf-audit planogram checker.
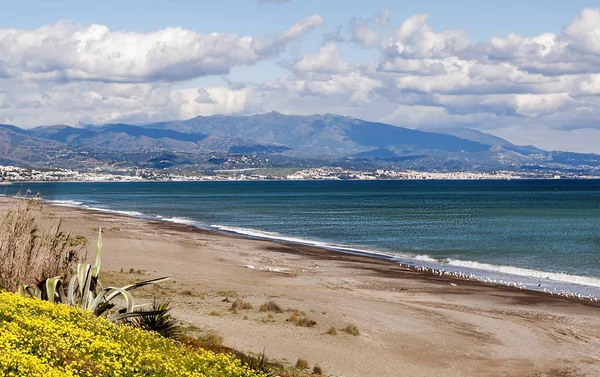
(410, 323)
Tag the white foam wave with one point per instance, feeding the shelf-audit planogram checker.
(126, 213)
(180, 220)
(65, 203)
(400, 257)
(279, 237)
(425, 258)
(525, 272)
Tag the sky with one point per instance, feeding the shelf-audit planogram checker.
(527, 71)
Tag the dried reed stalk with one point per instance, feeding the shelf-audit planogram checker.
(30, 253)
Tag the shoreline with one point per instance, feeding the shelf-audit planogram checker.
(493, 275)
(320, 252)
(396, 269)
(411, 323)
(592, 178)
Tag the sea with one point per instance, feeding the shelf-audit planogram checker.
(541, 234)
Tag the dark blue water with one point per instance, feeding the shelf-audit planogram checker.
(543, 225)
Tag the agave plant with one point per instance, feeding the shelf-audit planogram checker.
(158, 319)
(85, 291)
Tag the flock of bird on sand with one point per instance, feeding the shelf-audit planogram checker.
(462, 275)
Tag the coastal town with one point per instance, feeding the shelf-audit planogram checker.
(9, 174)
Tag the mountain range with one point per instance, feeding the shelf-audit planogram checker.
(275, 140)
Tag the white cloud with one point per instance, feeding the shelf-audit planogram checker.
(363, 34)
(67, 51)
(382, 18)
(531, 89)
(584, 32)
(326, 60)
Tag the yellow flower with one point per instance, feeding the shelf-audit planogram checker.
(38, 338)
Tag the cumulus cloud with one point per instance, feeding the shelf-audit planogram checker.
(363, 32)
(67, 51)
(529, 89)
(326, 60)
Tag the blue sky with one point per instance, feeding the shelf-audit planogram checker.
(482, 19)
(471, 79)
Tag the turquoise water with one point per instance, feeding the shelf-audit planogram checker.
(496, 226)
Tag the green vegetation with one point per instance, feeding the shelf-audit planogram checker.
(41, 339)
(38, 337)
(84, 291)
(158, 319)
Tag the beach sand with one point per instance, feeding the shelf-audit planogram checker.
(410, 323)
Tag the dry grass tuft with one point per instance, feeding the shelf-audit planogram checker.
(302, 364)
(331, 331)
(30, 253)
(240, 304)
(211, 340)
(301, 321)
(352, 330)
(271, 306)
(317, 370)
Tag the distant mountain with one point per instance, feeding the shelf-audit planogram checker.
(473, 135)
(484, 138)
(17, 147)
(323, 135)
(276, 140)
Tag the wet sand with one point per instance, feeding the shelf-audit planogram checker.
(410, 323)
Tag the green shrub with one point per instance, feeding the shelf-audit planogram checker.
(84, 291)
(44, 339)
(158, 319)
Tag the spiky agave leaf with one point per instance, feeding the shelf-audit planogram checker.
(102, 299)
(51, 285)
(96, 267)
(82, 291)
(29, 291)
(157, 319)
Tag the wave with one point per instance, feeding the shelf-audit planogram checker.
(179, 220)
(531, 276)
(126, 213)
(525, 272)
(65, 203)
(254, 233)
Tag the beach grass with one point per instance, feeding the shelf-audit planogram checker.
(271, 306)
(30, 252)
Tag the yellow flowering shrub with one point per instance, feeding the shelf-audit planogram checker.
(38, 338)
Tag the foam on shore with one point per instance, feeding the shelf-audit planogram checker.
(501, 274)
